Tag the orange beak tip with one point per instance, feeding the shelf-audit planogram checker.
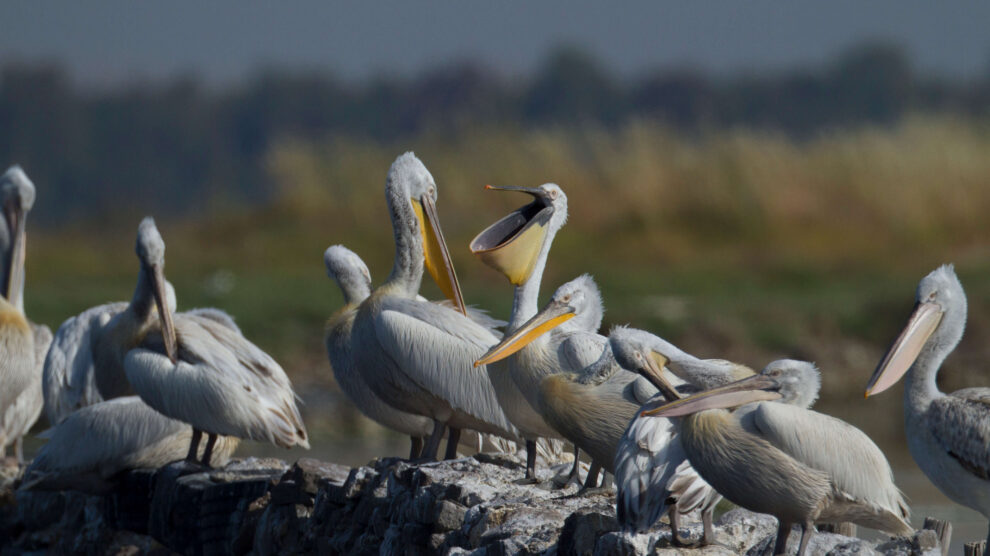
(488, 186)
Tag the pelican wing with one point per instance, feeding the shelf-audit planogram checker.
(647, 458)
(961, 424)
(68, 382)
(212, 313)
(579, 350)
(437, 348)
(222, 383)
(856, 467)
(479, 316)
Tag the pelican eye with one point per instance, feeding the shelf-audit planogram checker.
(566, 298)
(430, 191)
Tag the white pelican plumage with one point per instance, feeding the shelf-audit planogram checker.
(583, 394)
(17, 193)
(17, 352)
(652, 474)
(948, 434)
(69, 376)
(197, 369)
(92, 445)
(354, 279)
(798, 465)
(418, 355)
(518, 246)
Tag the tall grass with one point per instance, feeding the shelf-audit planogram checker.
(738, 244)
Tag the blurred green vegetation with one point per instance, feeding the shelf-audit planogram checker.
(738, 244)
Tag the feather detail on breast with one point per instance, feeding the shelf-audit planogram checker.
(960, 422)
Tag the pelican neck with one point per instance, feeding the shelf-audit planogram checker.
(407, 270)
(525, 301)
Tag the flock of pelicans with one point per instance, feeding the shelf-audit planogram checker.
(135, 384)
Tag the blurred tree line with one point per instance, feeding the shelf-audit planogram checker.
(185, 149)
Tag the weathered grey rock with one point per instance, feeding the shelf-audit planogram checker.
(466, 506)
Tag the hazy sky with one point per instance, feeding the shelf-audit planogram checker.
(108, 42)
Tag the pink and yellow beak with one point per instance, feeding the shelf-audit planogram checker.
(552, 316)
(168, 327)
(748, 390)
(435, 252)
(905, 350)
(512, 244)
(651, 368)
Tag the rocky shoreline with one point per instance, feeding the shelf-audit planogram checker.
(471, 505)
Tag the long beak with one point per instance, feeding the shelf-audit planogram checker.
(653, 371)
(552, 316)
(753, 389)
(15, 266)
(901, 355)
(437, 257)
(512, 244)
(168, 328)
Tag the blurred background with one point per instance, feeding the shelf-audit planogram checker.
(749, 180)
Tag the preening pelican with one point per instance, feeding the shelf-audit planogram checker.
(584, 394)
(948, 434)
(652, 474)
(197, 369)
(354, 279)
(150, 309)
(518, 245)
(92, 445)
(418, 355)
(17, 194)
(781, 459)
(17, 353)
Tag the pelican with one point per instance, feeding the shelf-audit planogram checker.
(590, 404)
(18, 193)
(195, 368)
(948, 434)
(17, 353)
(417, 355)
(354, 279)
(652, 473)
(781, 459)
(518, 245)
(92, 445)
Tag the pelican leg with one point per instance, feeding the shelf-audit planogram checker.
(708, 537)
(415, 447)
(433, 444)
(197, 435)
(783, 531)
(675, 526)
(574, 475)
(591, 480)
(19, 449)
(453, 438)
(530, 478)
(211, 440)
(807, 531)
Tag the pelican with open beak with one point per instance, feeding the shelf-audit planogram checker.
(783, 459)
(418, 355)
(517, 245)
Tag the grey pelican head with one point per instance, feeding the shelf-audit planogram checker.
(150, 249)
(936, 324)
(17, 194)
(512, 245)
(647, 354)
(787, 380)
(578, 299)
(347, 269)
(409, 181)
